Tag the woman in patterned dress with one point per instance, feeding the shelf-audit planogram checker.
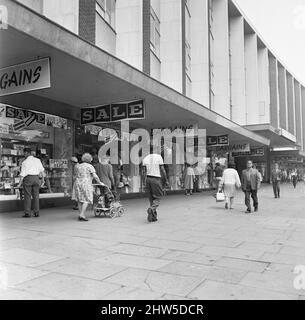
(82, 188)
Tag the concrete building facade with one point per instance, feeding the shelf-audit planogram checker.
(204, 49)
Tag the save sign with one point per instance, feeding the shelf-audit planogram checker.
(113, 112)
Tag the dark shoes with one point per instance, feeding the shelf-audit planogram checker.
(226, 206)
(255, 209)
(82, 219)
(36, 215)
(151, 215)
(248, 211)
(155, 216)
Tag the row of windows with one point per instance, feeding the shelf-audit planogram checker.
(106, 9)
(187, 39)
(154, 33)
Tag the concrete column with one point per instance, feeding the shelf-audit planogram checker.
(221, 70)
(274, 92)
(283, 97)
(87, 20)
(303, 115)
(263, 86)
(298, 113)
(290, 103)
(200, 51)
(238, 76)
(171, 43)
(252, 92)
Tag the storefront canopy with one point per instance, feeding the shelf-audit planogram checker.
(84, 75)
(279, 138)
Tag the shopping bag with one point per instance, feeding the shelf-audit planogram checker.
(220, 196)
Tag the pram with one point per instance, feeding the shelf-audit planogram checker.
(106, 203)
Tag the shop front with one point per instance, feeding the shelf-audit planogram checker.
(50, 139)
(288, 162)
(44, 109)
(260, 158)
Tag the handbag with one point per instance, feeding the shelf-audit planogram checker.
(220, 197)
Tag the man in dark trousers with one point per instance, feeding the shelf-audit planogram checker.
(153, 172)
(218, 174)
(32, 177)
(276, 176)
(250, 182)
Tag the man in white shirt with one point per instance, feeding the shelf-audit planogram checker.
(32, 177)
(153, 167)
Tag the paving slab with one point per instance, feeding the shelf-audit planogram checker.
(83, 268)
(156, 281)
(213, 290)
(133, 261)
(27, 258)
(242, 264)
(67, 287)
(138, 250)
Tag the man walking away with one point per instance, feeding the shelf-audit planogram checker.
(250, 185)
(153, 167)
(32, 177)
(276, 177)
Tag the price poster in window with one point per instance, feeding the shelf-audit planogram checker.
(58, 164)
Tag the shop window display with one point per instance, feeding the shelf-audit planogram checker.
(50, 139)
(127, 177)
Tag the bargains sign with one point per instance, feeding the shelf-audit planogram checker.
(25, 77)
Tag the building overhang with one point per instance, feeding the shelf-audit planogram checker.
(278, 137)
(84, 75)
(290, 155)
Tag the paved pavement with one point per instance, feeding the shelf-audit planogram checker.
(197, 250)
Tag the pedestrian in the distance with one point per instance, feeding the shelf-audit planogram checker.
(83, 188)
(189, 177)
(75, 164)
(31, 177)
(197, 178)
(230, 182)
(218, 174)
(294, 178)
(250, 182)
(153, 169)
(276, 176)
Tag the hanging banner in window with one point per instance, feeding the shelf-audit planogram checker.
(214, 141)
(113, 112)
(238, 147)
(20, 119)
(254, 152)
(25, 77)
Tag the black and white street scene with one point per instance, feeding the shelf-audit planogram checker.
(152, 150)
